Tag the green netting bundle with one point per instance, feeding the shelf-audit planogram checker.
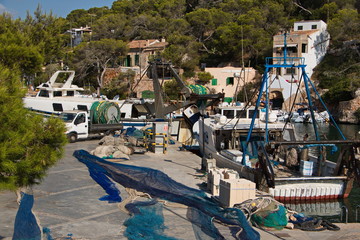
(273, 216)
(105, 112)
(198, 89)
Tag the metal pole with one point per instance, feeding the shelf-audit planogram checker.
(257, 104)
(308, 95)
(285, 50)
(267, 105)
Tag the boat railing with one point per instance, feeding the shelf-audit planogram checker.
(346, 213)
(285, 61)
(356, 213)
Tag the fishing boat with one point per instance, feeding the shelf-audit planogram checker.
(252, 141)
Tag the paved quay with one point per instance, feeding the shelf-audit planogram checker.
(67, 202)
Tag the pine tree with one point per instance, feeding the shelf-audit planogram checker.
(29, 144)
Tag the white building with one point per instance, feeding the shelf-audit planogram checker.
(229, 80)
(309, 40)
(77, 35)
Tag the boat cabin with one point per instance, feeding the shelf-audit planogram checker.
(59, 85)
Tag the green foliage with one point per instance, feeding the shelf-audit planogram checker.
(120, 86)
(29, 144)
(111, 26)
(204, 77)
(344, 26)
(16, 50)
(172, 89)
(81, 17)
(94, 57)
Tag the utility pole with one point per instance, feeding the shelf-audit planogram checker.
(71, 44)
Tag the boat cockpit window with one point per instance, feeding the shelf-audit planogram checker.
(70, 93)
(57, 93)
(43, 93)
(241, 114)
(252, 112)
(57, 107)
(82, 107)
(229, 113)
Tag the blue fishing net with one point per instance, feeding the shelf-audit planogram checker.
(146, 222)
(26, 226)
(159, 185)
(133, 132)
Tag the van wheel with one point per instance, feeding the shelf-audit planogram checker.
(72, 137)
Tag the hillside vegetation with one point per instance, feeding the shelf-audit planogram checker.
(198, 31)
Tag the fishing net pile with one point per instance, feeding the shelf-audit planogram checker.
(202, 210)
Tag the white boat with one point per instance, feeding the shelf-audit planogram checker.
(58, 95)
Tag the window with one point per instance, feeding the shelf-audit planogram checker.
(290, 71)
(70, 93)
(230, 81)
(82, 107)
(80, 119)
(214, 82)
(57, 93)
(314, 26)
(241, 114)
(43, 93)
(57, 107)
(300, 28)
(229, 113)
(252, 112)
(304, 48)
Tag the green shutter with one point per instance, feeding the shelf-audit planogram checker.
(229, 81)
(228, 99)
(137, 60)
(128, 61)
(214, 82)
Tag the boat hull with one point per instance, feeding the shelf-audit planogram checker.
(309, 188)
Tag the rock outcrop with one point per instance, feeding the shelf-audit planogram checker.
(348, 108)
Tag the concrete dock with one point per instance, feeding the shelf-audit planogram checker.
(67, 202)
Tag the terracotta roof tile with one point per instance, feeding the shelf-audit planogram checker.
(141, 43)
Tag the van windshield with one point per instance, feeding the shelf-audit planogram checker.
(67, 117)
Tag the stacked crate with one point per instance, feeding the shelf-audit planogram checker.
(233, 191)
(215, 175)
(306, 168)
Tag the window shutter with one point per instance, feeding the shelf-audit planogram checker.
(214, 82)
